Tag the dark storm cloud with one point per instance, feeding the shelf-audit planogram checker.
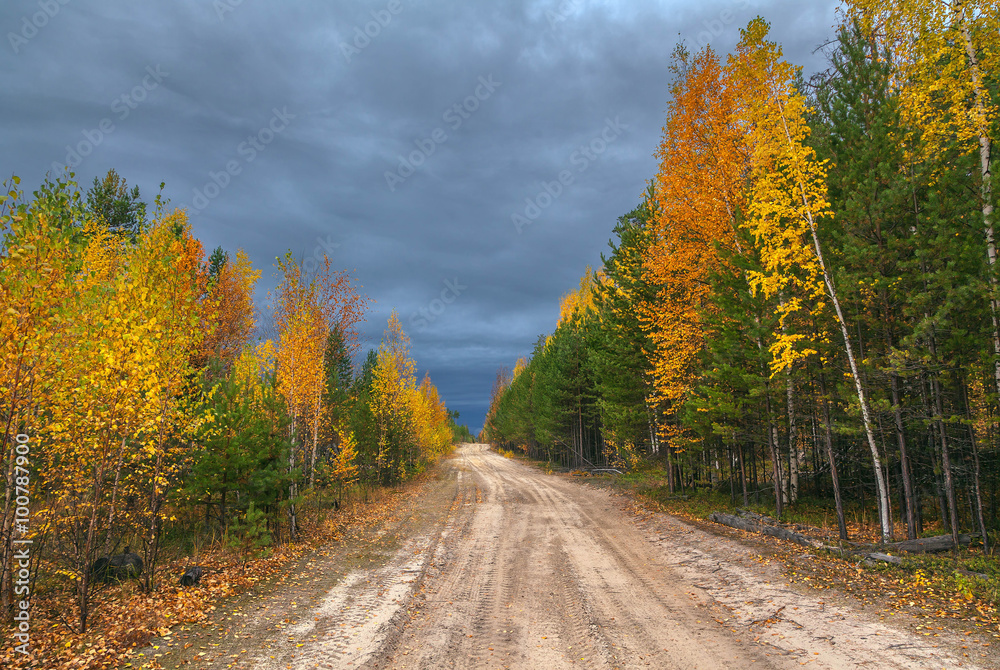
(287, 118)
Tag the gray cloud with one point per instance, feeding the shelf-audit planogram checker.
(565, 67)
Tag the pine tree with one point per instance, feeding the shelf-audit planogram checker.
(622, 373)
(119, 209)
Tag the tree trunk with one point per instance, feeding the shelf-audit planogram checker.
(114, 496)
(654, 443)
(795, 458)
(151, 544)
(756, 524)
(986, 190)
(772, 441)
(828, 438)
(292, 489)
(939, 493)
(792, 483)
(949, 483)
(743, 474)
(315, 448)
(671, 483)
(880, 483)
(904, 459)
(7, 534)
(927, 545)
(977, 507)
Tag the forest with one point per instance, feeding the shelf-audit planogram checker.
(803, 306)
(147, 406)
(800, 312)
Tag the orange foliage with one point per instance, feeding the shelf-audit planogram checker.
(230, 308)
(700, 193)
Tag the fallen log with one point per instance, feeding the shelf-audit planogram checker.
(765, 520)
(926, 545)
(762, 528)
(750, 515)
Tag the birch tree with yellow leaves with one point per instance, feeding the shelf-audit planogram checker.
(39, 258)
(302, 336)
(393, 382)
(409, 425)
(788, 202)
(432, 430)
(108, 397)
(305, 314)
(945, 53)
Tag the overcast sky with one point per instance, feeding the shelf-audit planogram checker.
(418, 143)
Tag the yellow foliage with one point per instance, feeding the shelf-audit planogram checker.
(576, 303)
(110, 355)
(520, 366)
(254, 364)
(306, 312)
(37, 275)
(413, 414)
(944, 51)
(298, 317)
(788, 192)
(343, 469)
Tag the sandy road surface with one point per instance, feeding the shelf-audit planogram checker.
(520, 569)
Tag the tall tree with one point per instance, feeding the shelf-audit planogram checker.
(305, 314)
(39, 262)
(947, 53)
(789, 200)
(623, 375)
(394, 376)
(856, 127)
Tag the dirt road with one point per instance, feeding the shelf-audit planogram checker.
(498, 565)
